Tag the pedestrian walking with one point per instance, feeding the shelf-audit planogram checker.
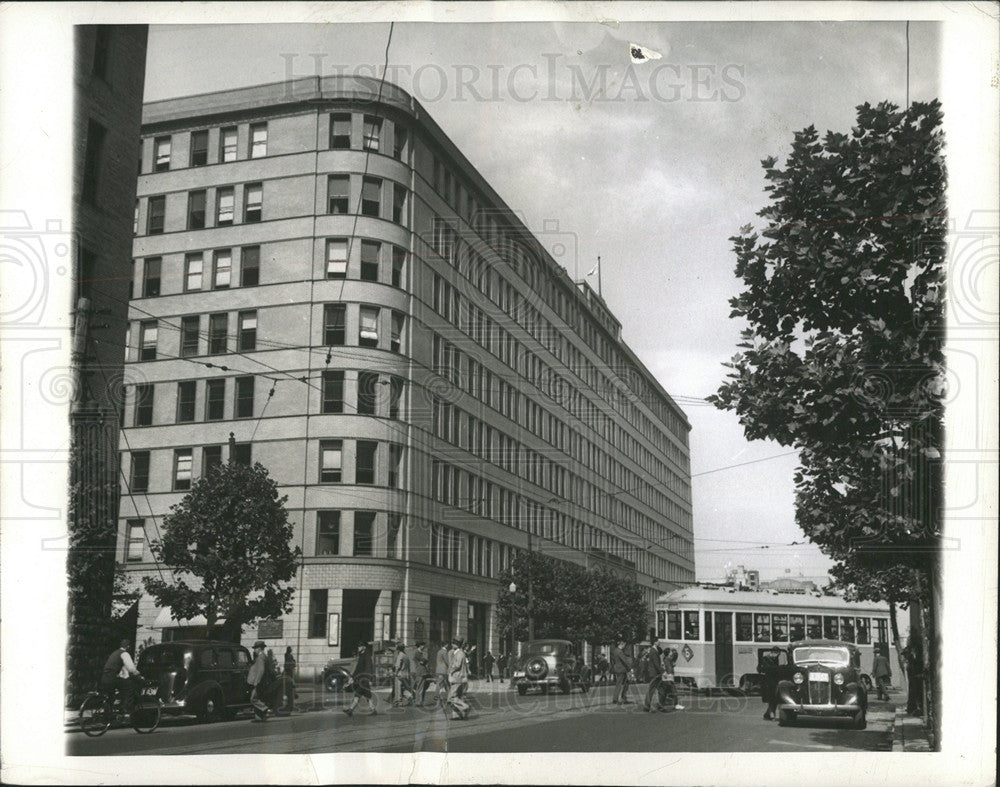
(289, 679)
(257, 678)
(458, 680)
(421, 677)
(620, 666)
(362, 674)
(502, 666)
(602, 667)
(488, 662)
(402, 677)
(882, 673)
(913, 653)
(770, 668)
(668, 684)
(655, 661)
(441, 668)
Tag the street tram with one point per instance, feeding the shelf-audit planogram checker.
(719, 632)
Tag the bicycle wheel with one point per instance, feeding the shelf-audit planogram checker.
(95, 715)
(146, 715)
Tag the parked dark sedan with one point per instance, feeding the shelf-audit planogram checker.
(826, 681)
(551, 663)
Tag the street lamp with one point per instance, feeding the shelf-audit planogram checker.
(512, 588)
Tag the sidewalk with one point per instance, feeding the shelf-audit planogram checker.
(909, 733)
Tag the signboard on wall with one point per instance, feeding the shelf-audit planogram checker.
(271, 629)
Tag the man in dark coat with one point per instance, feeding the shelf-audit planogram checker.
(881, 673)
(655, 660)
(620, 666)
(362, 674)
(773, 667)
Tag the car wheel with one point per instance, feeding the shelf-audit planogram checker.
(211, 706)
(785, 718)
(860, 720)
(522, 690)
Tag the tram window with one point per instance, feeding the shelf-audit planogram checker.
(779, 628)
(847, 629)
(744, 627)
(796, 627)
(708, 627)
(673, 625)
(830, 630)
(661, 624)
(814, 627)
(882, 630)
(864, 631)
(761, 627)
(691, 626)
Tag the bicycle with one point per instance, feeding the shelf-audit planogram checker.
(98, 712)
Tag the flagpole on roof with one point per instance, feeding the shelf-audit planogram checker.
(599, 291)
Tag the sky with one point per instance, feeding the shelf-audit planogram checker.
(651, 166)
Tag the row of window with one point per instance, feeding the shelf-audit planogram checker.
(183, 465)
(214, 401)
(373, 135)
(774, 627)
(218, 340)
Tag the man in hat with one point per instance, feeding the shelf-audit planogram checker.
(458, 680)
(403, 675)
(255, 677)
(362, 673)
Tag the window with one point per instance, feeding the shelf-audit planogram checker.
(761, 627)
(371, 196)
(336, 258)
(92, 161)
(250, 266)
(661, 624)
(211, 457)
(218, 328)
(317, 614)
(227, 144)
(186, 392)
(193, 268)
(779, 628)
(796, 627)
(327, 532)
(147, 340)
(847, 629)
(151, 277)
(333, 392)
(373, 132)
(708, 626)
(334, 319)
(135, 219)
(161, 154)
(392, 534)
(364, 527)
(144, 404)
(399, 142)
(139, 477)
(182, 469)
(744, 627)
(368, 327)
(215, 400)
(369, 260)
(246, 339)
(241, 454)
(691, 626)
(155, 215)
(864, 631)
(254, 207)
(258, 140)
(331, 461)
(673, 625)
(395, 463)
(340, 131)
(365, 466)
(814, 627)
(882, 630)
(395, 395)
(367, 393)
(199, 148)
(243, 407)
(136, 539)
(225, 206)
(196, 210)
(222, 269)
(338, 189)
(399, 204)
(830, 628)
(396, 334)
(398, 264)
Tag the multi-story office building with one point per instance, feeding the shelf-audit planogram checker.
(321, 273)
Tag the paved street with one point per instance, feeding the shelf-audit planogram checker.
(502, 722)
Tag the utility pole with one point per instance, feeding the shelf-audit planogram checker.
(531, 608)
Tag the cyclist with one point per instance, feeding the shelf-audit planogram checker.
(118, 673)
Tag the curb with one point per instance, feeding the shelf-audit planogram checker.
(896, 730)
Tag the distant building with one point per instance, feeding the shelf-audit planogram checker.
(322, 273)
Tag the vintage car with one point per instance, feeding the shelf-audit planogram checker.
(204, 678)
(826, 681)
(551, 663)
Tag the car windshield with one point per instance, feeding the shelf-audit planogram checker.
(544, 648)
(831, 657)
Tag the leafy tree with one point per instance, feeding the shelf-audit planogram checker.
(230, 535)
(569, 602)
(843, 358)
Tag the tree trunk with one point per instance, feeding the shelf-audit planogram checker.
(894, 626)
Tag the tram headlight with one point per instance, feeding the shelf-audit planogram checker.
(799, 678)
(838, 679)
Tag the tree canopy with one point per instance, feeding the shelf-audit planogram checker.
(227, 546)
(570, 602)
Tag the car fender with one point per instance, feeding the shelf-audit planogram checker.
(197, 693)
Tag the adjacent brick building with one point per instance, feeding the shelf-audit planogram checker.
(321, 273)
